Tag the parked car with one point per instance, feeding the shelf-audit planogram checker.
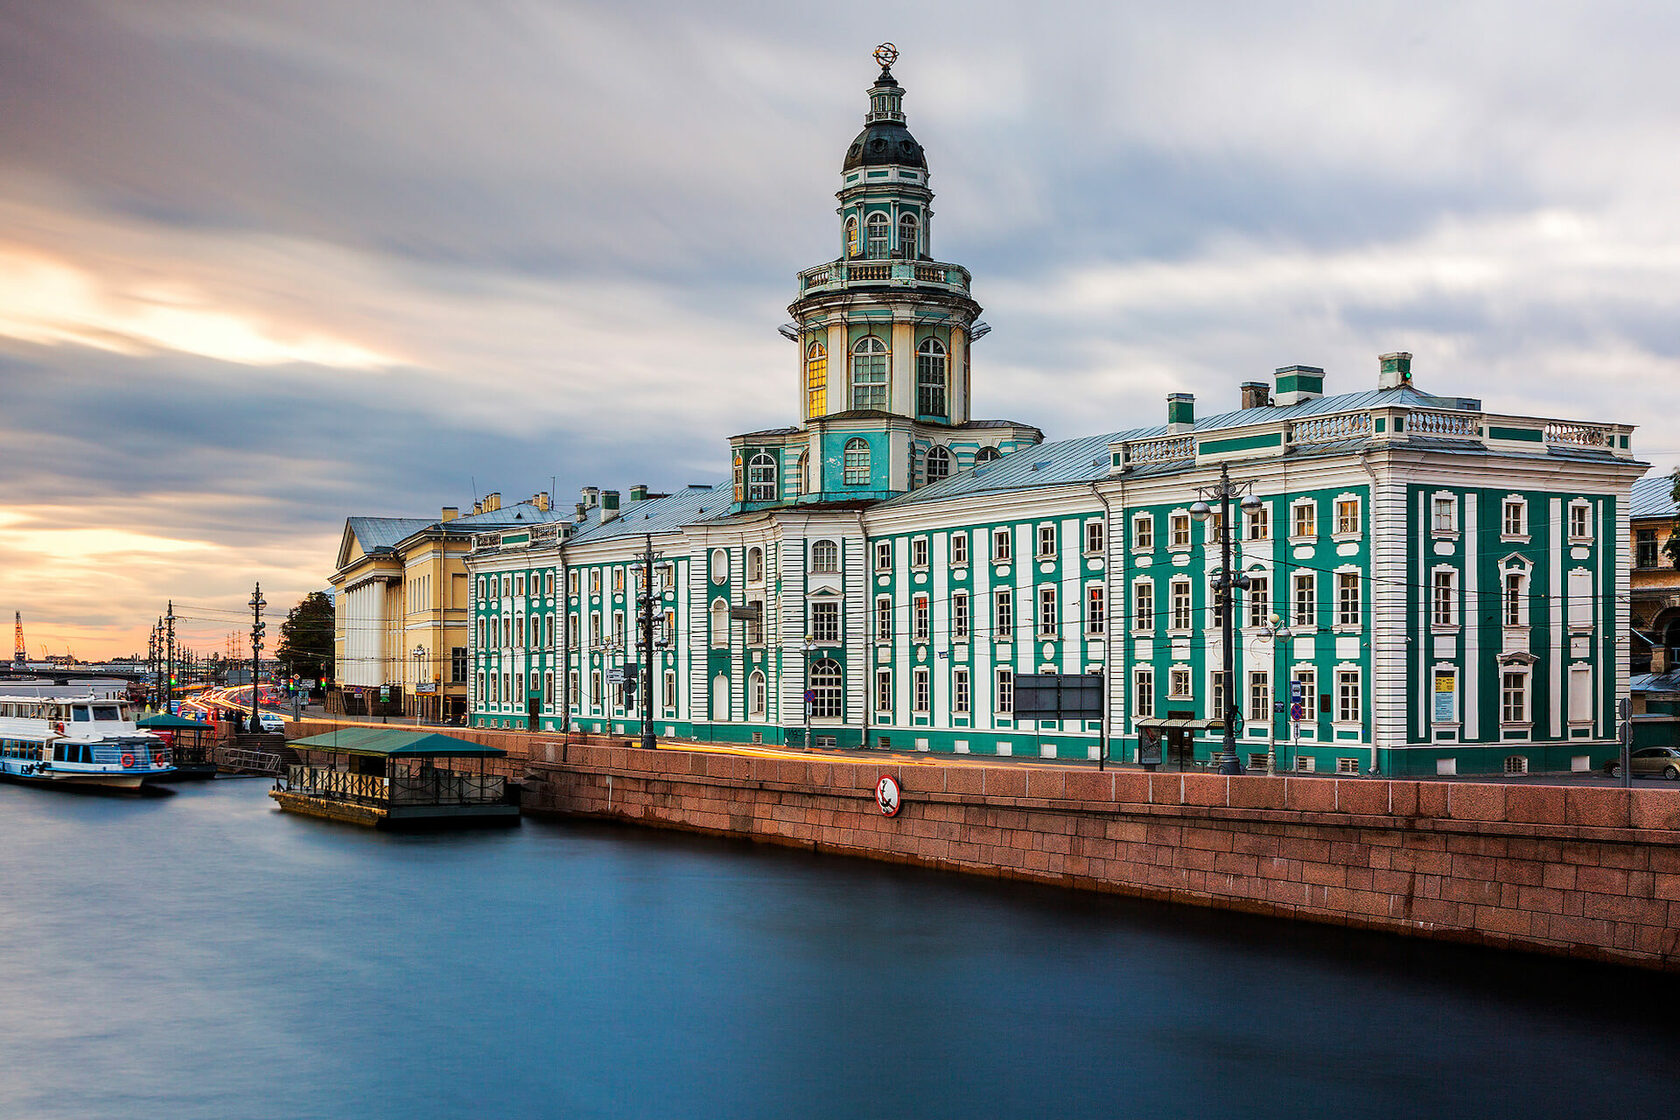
(271, 721)
(1650, 761)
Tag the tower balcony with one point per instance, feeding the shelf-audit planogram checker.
(843, 274)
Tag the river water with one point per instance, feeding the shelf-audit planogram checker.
(203, 955)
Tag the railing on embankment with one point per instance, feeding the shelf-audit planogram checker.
(1581, 871)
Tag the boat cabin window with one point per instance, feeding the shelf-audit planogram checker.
(79, 714)
(58, 752)
(106, 711)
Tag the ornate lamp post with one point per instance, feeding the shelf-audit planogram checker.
(1225, 588)
(419, 653)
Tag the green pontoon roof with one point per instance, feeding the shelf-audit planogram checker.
(163, 721)
(395, 743)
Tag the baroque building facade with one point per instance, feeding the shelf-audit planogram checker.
(1442, 586)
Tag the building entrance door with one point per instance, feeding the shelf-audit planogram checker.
(531, 707)
(1181, 743)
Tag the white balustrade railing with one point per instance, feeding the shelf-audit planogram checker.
(1327, 429)
(1169, 450)
(1443, 424)
(1578, 435)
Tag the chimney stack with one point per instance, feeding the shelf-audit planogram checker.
(639, 492)
(609, 505)
(492, 501)
(591, 497)
(1296, 384)
(450, 513)
(1181, 412)
(540, 500)
(1395, 371)
(1256, 394)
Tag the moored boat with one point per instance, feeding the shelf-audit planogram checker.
(78, 742)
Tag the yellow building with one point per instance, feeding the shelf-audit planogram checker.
(400, 608)
(1655, 579)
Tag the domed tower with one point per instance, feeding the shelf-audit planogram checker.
(884, 333)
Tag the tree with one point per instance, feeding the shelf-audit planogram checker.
(1673, 545)
(306, 638)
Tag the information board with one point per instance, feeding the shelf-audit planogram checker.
(1059, 696)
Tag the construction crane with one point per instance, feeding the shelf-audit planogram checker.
(20, 652)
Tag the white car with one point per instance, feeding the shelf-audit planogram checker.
(271, 721)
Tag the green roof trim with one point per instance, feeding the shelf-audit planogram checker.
(164, 721)
(1525, 435)
(1241, 443)
(395, 743)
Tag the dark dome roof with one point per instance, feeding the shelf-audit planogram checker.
(884, 142)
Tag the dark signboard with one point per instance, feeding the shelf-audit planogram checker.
(1058, 696)
(1149, 746)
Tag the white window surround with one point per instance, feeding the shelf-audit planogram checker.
(1437, 506)
(1140, 626)
(1527, 720)
(1337, 533)
(1578, 509)
(1341, 627)
(1521, 534)
(1455, 611)
(1337, 723)
(1177, 519)
(1143, 532)
(1295, 520)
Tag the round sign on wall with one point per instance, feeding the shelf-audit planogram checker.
(888, 796)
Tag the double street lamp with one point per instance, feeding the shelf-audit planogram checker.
(1225, 587)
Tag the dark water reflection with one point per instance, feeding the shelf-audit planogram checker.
(204, 956)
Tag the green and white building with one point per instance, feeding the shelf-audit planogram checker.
(1445, 584)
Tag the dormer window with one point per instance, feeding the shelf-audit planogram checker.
(761, 478)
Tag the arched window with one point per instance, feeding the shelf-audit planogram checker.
(720, 622)
(816, 380)
(869, 373)
(801, 481)
(756, 694)
(987, 454)
(755, 565)
(720, 699)
(930, 378)
(761, 479)
(908, 246)
(938, 464)
(851, 236)
(825, 557)
(856, 462)
(879, 229)
(825, 689)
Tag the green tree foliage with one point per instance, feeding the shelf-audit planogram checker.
(1672, 548)
(306, 638)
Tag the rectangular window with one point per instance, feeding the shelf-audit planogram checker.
(1180, 604)
(670, 694)
(825, 622)
(883, 690)
(1259, 601)
(1047, 618)
(1445, 599)
(919, 613)
(919, 553)
(1259, 697)
(1093, 537)
(1446, 514)
(755, 626)
(519, 585)
(883, 556)
(1000, 545)
(1578, 524)
(959, 692)
(883, 620)
(572, 688)
(595, 581)
(618, 579)
(1143, 606)
(1347, 598)
(1216, 695)
(1514, 598)
(959, 616)
(458, 664)
(1096, 599)
(1308, 679)
(1644, 548)
(1513, 695)
(1306, 599)
(959, 549)
(1580, 694)
(1178, 684)
(1003, 615)
(1260, 524)
(595, 688)
(1046, 542)
(1516, 517)
(572, 582)
(1306, 520)
(1006, 690)
(923, 694)
(1347, 697)
(1143, 531)
(1215, 527)
(1347, 516)
(1179, 523)
(1143, 693)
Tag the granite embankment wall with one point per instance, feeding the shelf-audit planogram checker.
(1570, 870)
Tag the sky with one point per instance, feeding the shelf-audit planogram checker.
(268, 265)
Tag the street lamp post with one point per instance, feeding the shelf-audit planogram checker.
(419, 667)
(1277, 634)
(1225, 588)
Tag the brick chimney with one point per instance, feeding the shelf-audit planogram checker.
(450, 513)
(1181, 412)
(492, 501)
(1256, 394)
(540, 500)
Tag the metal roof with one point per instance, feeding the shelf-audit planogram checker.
(656, 515)
(506, 517)
(396, 743)
(383, 532)
(1653, 497)
(1654, 682)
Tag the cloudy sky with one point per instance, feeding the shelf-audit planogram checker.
(267, 265)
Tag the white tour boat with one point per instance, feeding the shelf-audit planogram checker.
(77, 741)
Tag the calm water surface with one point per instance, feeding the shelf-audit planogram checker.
(205, 956)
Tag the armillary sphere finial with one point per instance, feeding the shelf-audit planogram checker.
(886, 54)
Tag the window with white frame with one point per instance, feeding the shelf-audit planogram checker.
(1178, 683)
(1181, 613)
(1259, 697)
(595, 689)
(669, 695)
(1513, 697)
(718, 574)
(1260, 524)
(1216, 695)
(1516, 598)
(1304, 518)
(1004, 696)
(825, 689)
(1580, 694)
(1348, 709)
(907, 241)
(883, 619)
(825, 557)
(801, 473)
(720, 622)
(883, 690)
(855, 462)
(869, 373)
(852, 246)
(756, 694)
(1000, 545)
(825, 621)
(1143, 692)
(930, 379)
(919, 617)
(1003, 614)
(1446, 514)
(936, 464)
(920, 692)
(1347, 517)
(1143, 605)
(878, 234)
(959, 549)
(1096, 602)
(1515, 520)
(1046, 542)
(919, 552)
(1259, 601)
(1308, 678)
(572, 582)
(1047, 616)
(1093, 538)
(1444, 598)
(960, 698)
(1347, 599)
(1143, 531)
(1580, 523)
(755, 625)
(1306, 599)
(755, 565)
(1179, 529)
(761, 478)
(883, 556)
(960, 620)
